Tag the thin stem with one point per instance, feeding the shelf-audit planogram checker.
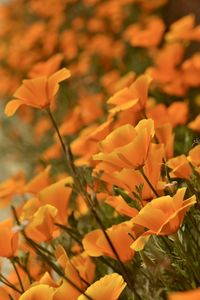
(47, 260)
(70, 233)
(148, 182)
(57, 130)
(186, 257)
(88, 200)
(9, 284)
(26, 271)
(18, 276)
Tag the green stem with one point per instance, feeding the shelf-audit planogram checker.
(47, 260)
(18, 276)
(88, 200)
(148, 182)
(186, 257)
(9, 284)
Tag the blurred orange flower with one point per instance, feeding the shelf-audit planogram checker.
(8, 239)
(145, 35)
(188, 295)
(184, 30)
(38, 92)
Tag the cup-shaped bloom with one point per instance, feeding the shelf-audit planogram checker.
(108, 287)
(38, 92)
(8, 239)
(95, 243)
(132, 98)
(37, 292)
(127, 146)
(162, 216)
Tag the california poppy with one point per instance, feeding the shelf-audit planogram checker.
(108, 287)
(38, 92)
(126, 146)
(95, 243)
(162, 216)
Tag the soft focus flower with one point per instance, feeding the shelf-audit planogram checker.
(38, 92)
(195, 124)
(184, 30)
(145, 35)
(8, 239)
(11, 187)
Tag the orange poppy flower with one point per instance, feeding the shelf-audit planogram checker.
(129, 179)
(38, 92)
(126, 146)
(37, 292)
(46, 68)
(194, 155)
(184, 30)
(145, 35)
(41, 226)
(120, 205)
(191, 70)
(108, 287)
(188, 295)
(73, 271)
(169, 212)
(180, 167)
(133, 97)
(8, 239)
(95, 243)
(195, 124)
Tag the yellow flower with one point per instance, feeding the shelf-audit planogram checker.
(108, 287)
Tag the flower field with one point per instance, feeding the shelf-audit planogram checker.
(100, 151)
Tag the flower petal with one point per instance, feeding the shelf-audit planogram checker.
(12, 106)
